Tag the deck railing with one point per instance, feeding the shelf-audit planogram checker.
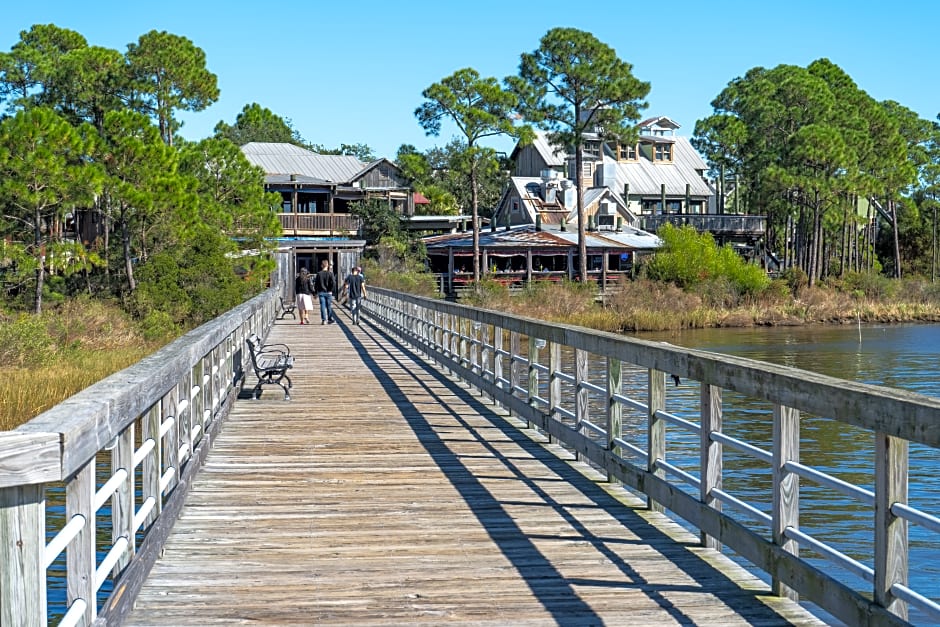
(123, 452)
(569, 383)
(320, 223)
(723, 224)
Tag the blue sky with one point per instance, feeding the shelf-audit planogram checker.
(353, 72)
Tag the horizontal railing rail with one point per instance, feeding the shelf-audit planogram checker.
(542, 373)
(333, 223)
(727, 224)
(121, 455)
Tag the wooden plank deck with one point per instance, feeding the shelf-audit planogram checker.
(386, 494)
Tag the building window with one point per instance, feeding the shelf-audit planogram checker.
(627, 153)
(587, 169)
(592, 149)
(663, 152)
(605, 220)
(515, 206)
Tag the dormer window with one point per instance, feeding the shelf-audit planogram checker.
(592, 149)
(627, 152)
(663, 152)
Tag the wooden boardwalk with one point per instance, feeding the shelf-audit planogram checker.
(386, 494)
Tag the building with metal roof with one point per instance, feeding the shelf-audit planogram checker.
(316, 193)
(520, 254)
(660, 178)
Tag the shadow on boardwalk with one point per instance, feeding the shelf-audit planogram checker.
(387, 493)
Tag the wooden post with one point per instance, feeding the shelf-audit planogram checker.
(711, 458)
(450, 270)
(22, 544)
(80, 557)
(614, 408)
(656, 430)
(171, 452)
(486, 359)
(582, 396)
(498, 358)
(891, 543)
(122, 501)
(532, 390)
(528, 266)
(151, 467)
(786, 486)
(515, 347)
(554, 381)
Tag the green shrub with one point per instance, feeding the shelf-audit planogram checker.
(24, 342)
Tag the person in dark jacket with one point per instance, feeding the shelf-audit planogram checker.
(303, 288)
(355, 288)
(324, 284)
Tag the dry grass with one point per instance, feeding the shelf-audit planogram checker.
(27, 392)
(50, 357)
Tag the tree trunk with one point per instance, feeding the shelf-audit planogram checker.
(126, 246)
(897, 245)
(582, 237)
(41, 262)
(475, 211)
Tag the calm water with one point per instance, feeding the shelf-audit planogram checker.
(900, 356)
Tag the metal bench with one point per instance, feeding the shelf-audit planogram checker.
(270, 363)
(287, 309)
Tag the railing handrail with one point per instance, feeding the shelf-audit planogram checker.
(471, 343)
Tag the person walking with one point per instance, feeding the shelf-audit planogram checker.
(303, 288)
(355, 288)
(324, 284)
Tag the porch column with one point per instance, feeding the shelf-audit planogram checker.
(450, 270)
(604, 271)
(293, 209)
(570, 265)
(486, 263)
(528, 266)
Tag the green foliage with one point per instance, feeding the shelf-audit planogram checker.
(169, 73)
(804, 144)
(574, 84)
(258, 124)
(24, 342)
(689, 258)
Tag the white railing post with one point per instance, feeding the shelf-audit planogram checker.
(122, 501)
(22, 544)
(786, 486)
(515, 348)
(498, 358)
(554, 381)
(891, 544)
(614, 409)
(80, 557)
(656, 431)
(532, 389)
(582, 410)
(710, 460)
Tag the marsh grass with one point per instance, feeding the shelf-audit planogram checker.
(27, 392)
(47, 358)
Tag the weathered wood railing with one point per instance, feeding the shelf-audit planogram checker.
(155, 422)
(503, 356)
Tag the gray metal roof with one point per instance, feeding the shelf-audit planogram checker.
(645, 177)
(547, 151)
(277, 158)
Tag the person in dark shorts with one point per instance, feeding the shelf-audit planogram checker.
(325, 285)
